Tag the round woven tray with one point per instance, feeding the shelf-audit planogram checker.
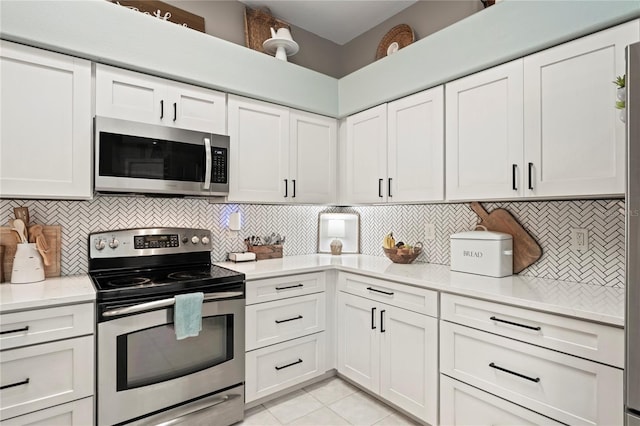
(401, 34)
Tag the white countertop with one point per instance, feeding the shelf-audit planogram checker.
(50, 292)
(578, 300)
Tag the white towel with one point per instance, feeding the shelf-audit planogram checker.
(187, 315)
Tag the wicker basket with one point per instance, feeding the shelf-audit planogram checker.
(257, 27)
(403, 255)
(401, 34)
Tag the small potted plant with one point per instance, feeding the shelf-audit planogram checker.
(620, 82)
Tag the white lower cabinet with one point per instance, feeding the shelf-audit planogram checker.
(390, 351)
(285, 335)
(78, 413)
(462, 405)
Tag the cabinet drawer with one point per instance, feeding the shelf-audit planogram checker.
(569, 389)
(280, 320)
(581, 338)
(403, 296)
(280, 366)
(76, 413)
(461, 404)
(45, 375)
(282, 287)
(44, 325)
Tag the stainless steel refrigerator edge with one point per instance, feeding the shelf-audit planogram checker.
(632, 237)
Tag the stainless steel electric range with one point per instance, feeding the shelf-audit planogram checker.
(145, 375)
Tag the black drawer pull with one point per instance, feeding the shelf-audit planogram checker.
(161, 110)
(516, 324)
(15, 330)
(289, 319)
(388, 293)
(537, 379)
(290, 286)
(24, 382)
(289, 365)
(382, 330)
(175, 111)
(373, 318)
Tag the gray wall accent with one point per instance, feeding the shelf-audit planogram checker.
(225, 19)
(424, 17)
(547, 221)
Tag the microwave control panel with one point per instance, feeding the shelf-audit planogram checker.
(218, 165)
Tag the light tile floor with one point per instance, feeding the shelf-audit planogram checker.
(331, 402)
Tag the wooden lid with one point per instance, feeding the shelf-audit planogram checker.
(397, 38)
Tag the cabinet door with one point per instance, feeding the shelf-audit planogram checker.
(574, 138)
(366, 156)
(416, 147)
(197, 108)
(76, 413)
(259, 156)
(484, 134)
(45, 124)
(313, 158)
(129, 95)
(409, 361)
(359, 340)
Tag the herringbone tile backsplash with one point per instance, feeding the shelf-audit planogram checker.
(547, 221)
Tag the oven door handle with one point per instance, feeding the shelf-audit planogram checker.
(207, 167)
(147, 306)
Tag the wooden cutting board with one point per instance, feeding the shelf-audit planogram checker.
(52, 234)
(526, 250)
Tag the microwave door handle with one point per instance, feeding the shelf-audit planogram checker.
(141, 307)
(207, 170)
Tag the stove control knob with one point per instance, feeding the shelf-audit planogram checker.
(205, 240)
(195, 239)
(114, 243)
(100, 244)
(185, 239)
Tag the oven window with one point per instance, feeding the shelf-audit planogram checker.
(138, 157)
(154, 355)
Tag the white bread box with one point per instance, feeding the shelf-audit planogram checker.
(483, 253)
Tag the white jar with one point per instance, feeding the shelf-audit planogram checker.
(27, 265)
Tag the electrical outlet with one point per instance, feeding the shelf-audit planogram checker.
(579, 239)
(429, 231)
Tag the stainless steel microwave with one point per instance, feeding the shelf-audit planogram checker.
(133, 157)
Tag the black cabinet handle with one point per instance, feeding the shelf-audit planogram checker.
(289, 365)
(389, 188)
(161, 110)
(373, 318)
(294, 188)
(16, 330)
(388, 293)
(380, 187)
(492, 365)
(516, 324)
(175, 111)
(382, 330)
(24, 382)
(514, 169)
(286, 188)
(289, 319)
(530, 180)
(290, 286)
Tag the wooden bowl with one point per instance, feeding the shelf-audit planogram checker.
(402, 255)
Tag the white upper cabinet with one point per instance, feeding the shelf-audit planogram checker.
(134, 96)
(45, 124)
(484, 134)
(313, 157)
(415, 147)
(394, 152)
(280, 155)
(541, 126)
(259, 151)
(574, 139)
(366, 156)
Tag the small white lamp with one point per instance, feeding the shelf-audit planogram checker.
(336, 229)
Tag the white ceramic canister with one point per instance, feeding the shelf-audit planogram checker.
(27, 265)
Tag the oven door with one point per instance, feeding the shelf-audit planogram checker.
(143, 368)
(146, 158)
